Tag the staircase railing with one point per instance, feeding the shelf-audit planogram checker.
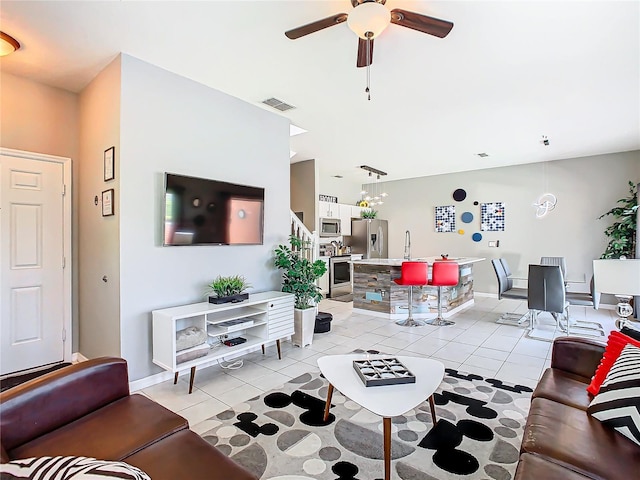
(310, 239)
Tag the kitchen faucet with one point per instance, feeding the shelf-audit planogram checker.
(407, 245)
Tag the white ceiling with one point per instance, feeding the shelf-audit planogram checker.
(508, 73)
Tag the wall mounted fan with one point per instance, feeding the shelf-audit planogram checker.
(368, 19)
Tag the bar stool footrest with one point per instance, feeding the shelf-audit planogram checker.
(440, 322)
(410, 322)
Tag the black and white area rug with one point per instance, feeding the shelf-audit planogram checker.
(280, 435)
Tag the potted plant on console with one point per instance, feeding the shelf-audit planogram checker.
(228, 289)
(299, 277)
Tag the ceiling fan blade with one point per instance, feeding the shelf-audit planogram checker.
(422, 23)
(315, 26)
(362, 52)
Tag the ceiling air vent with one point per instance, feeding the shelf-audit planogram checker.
(278, 104)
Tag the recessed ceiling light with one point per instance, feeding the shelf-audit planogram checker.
(482, 155)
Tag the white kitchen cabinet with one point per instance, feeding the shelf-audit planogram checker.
(345, 218)
(356, 212)
(328, 210)
(262, 318)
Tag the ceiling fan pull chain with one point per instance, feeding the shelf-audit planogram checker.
(367, 91)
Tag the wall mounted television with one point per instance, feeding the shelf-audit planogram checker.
(200, 211)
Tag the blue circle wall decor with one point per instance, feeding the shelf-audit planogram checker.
(467, 217)
(476, 237)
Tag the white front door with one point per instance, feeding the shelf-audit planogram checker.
(32, 297)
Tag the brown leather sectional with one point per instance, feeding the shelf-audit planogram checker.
(86, 410)
(561, 441)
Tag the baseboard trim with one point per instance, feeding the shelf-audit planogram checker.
(78, 357)
(486, 294)
(149, 381)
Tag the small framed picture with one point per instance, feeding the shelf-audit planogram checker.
(109, 164)
(107, 203)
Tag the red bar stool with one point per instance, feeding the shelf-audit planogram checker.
(412, 274)
(443, 274)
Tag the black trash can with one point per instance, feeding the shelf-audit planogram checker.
(323, 322)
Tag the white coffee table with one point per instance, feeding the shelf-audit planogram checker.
(387, 401)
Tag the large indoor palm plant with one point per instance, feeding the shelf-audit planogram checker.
(300, 273)
(622, 232)
(299, 277)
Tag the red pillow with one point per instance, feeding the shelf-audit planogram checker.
(616, 342)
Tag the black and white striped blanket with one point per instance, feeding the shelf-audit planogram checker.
(69, 468)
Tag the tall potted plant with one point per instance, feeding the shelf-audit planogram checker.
(299, 277)
(622, 232)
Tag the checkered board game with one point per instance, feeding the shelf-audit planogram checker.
(492, 217)
(446, 218)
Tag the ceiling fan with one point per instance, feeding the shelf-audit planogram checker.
(368, 19)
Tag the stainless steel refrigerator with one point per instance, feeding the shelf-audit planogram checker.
(369, 237)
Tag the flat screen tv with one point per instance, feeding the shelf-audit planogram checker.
(199, 211)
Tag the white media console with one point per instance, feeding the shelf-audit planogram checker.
(262, 318)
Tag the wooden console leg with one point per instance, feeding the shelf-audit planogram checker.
(327, 405)
(279, 352)
(386, 428)
(192, 378)
(263, 348)
(175, 378)
(433, 410)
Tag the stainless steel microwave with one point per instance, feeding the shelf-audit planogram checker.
(330, 227)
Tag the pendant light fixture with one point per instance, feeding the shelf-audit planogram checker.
(373, 193)
(8, 44)
(368, 20)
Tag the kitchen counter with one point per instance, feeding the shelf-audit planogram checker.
(375, 293)
(397, 262)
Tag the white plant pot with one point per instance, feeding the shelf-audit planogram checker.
(304, 322)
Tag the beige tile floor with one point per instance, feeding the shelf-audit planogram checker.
(475, 344)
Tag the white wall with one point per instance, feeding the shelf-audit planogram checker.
(42, 119)
(303, 187)
(99, 237)
(585, 188)
(172, 124)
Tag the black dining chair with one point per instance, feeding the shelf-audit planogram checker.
(507, 290)
(592, 299)
(546, 293)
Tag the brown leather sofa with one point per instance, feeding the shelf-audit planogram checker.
(561, 441)
(86, 410)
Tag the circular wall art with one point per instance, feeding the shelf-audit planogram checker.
(476, 237)
(461, 232)
(476, 202)
(459, 194)
(467, 217)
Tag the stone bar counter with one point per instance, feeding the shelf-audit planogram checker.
(375, 292)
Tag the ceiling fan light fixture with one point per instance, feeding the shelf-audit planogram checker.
(369, 19)
(8, 44)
